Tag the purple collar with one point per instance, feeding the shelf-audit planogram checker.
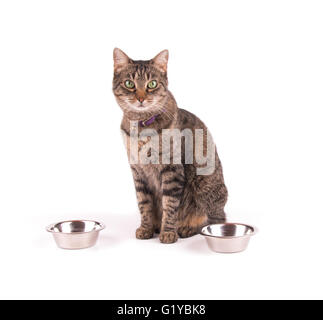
(148, 122)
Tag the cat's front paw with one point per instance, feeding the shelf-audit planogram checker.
(142, 233)
(168, 236)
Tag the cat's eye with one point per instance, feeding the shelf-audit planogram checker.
(129, 84)
(152, 84)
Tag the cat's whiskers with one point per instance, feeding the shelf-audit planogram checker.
(163, 110)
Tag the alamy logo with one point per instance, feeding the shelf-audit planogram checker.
(147, 147)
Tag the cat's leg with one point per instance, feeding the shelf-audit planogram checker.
(212, 198)
(191, 225)
(218, 200)
(145, 204)
(158, 212)
(172, 182)
(190, 219)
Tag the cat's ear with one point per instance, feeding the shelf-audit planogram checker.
(161, 60)
(120, 59)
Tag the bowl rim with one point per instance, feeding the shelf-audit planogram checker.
(51, 226)
(254, 230)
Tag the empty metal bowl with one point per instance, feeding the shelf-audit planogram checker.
(75, 234)
(228, 237)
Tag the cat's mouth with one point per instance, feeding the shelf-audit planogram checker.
(139, 110)
(140, 106)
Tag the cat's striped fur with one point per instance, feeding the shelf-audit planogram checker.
(173, 200)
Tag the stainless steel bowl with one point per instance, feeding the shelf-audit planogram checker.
(75, 234)
(228, 237)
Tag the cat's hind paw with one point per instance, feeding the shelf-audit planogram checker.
(142, 233)
(186, 232)
(168, 236)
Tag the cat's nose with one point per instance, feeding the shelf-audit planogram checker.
(140, 95)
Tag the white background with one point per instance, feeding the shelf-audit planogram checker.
(252, 70)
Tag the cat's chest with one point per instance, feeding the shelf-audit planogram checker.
(151, 175)
(143, 149)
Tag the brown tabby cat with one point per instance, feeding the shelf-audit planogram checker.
(173, 199)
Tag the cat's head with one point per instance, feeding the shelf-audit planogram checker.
(140, 87)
